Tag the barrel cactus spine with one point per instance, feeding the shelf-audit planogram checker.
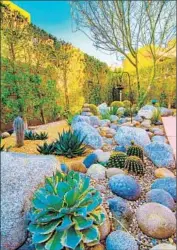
(135, 150)
(135, 165)
(117, 160)
(19, 131)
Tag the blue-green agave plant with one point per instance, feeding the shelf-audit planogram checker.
(66, 213)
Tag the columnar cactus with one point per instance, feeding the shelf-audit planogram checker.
(135, 150)
(19, 131)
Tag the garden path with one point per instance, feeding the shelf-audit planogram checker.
(170, 129)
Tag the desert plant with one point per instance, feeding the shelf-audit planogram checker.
(156, 115)
(66, 213)
(93, 109)
(2, 147)
(69, 144)
(105, 116)
(46, 149)
(134, 164)
(126, 103)
(113, 110)
(117, 104)
(42, 136)
(30, 135)
(117, 160)
(18, 125)
(70, 119)
(135, 150)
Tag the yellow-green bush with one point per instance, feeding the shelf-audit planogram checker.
(117, 104)
(93, 109)
(126, 103)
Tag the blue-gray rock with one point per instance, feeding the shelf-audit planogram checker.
(108, 140)
(86, 114)
(121, 212)
(161, 154)
(64, 168)
(168, 184)
(162, 197)
(146, 111)
(121, 110)
(94, 120)
(120, 240)
(122, 120)
(21, 175)
(126, 134)
(103, 108)
(125, 186)
(158, 131)
(90, 159)
(93, 138)
(138, 118)
(120, 149)
(27, 247)
(114, 126)
(97, 172)
(114, 118)
(146, 123)
(105, 123)
(159, 138)
(80, 118)
(165, 111)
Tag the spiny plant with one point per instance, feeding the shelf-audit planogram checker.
(156, 115)
(134, 164)
(66, 213)
(46, 149)
(113, 110)
(30, 135)
(70, 144)
(105, 116)
(117, 160)
(18, 125)
(127, 103)
(93, 109)
(117, 104)
(135, 150)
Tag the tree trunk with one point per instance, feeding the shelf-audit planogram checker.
(137, 78)
(42, 116)
(66, 90)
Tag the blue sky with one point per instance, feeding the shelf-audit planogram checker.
(55, 17)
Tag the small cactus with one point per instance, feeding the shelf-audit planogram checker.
(135, 150)
(134, 164)
(117, 160)
(19, 131)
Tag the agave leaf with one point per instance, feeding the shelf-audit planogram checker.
(71, 238)
(66, 223)
(62, 188)
(55, 242)
(54, 202)
(40, 238)
(82, 223)
(90, 234)
(43, 229)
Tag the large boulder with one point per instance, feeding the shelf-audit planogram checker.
(125, 186)
(156, 220)
(93, 138)
(159, 138)
(125, 135)
(114, 118)
(162, 197)
(80, 118)
(105, 123)
(94, 121)
(21, 175)
(168, 184)
(165, 111)
(146, 111)
(5, 135)
(103, 108)
(161, 154)
(120, 240)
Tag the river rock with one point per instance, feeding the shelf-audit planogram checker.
(105, 123)
(163, 172)
(156, 220)
(5, 135)
(94, 120)
(161, 154)
(159, 138)
(165, 111)
(146, 111)
(90, 159)
(103, 156)
(162, 197)
(158, 131)
(168, 184)
(125, 186)
(120, 149)
(96, 171)
(138, 118)
(103, 108)
(93, 138)
(21, 174)
(105, 227)
(120, 240)
(114, 118)
(78, 166)
(164, 247)
(125, 135)
(113, 171)
(146, 123)
(80, 118)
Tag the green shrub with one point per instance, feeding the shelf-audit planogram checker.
(156, 115)
(66, 213)
(93, 109)
(134, 164)
(117, 104)
(126, 103)
(70, 145)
